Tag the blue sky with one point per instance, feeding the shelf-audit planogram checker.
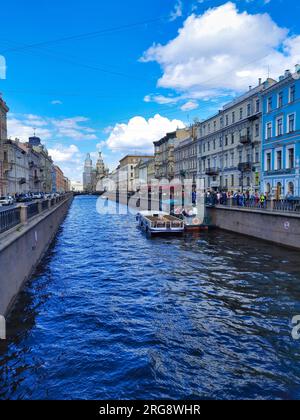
(114, 76)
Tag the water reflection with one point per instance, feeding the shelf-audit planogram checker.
(111, 314)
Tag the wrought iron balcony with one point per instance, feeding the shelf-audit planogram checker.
(212, 171)
(245, 139)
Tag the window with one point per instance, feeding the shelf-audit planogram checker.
(233, 117)
(240, 156)
(257, 105)
(279, 126)
(256, 130)
(279, 160)
(209, 128)
(232, 180)
(280, 100)
(268, 161)
(221, 142)
(291, 123)
(232, 159)
(241, 113)
(226, 161)
(256, 155)
(215, 125)
(291, 188)
(292, 93)
(226, 140)
(214, 144)
(208, 146)
(248, 110)
(269, 106)
(232, 138)
(227, 120)
(291, 158)
(269, 130)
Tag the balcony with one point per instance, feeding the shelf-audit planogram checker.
(245, 167)
(254, 117)
(245, 139)
(212, 171)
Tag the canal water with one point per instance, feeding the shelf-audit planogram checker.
(110, 314)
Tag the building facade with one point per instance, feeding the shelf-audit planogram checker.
(58, 180)
(164, 157)
(3, 137)
(15, 168)
(126, 172)
(88, 174)
(229, 144)
(186, 157)
(281, 136)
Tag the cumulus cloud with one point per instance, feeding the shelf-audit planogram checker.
(61, 153)
(139, 134)
(189, 106)
(224, 49)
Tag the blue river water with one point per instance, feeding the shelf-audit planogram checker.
(110, 314)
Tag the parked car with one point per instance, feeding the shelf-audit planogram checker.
(6, 201)
(23, 198)
(37, 196)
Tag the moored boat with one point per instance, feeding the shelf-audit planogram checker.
(158, 223)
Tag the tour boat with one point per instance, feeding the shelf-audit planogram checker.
(157, 223)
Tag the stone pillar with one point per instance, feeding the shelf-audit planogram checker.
(23, 215)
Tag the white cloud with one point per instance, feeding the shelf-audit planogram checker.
(139, 134)
(224, 49)
(177, 12)
(161, 99)
(189, 106)
(22, 129)
(24, 125)
(61, 153)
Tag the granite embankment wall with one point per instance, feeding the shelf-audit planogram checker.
(282, 228)
(22, 248)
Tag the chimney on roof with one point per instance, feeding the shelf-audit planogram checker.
(259, 81)
(250, 87)
(287, 73)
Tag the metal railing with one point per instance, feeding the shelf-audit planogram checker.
(32, 210)
(284, 205)
(14, 217)
(9, 219)
(45, 205)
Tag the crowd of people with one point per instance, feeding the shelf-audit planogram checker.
(241, 199)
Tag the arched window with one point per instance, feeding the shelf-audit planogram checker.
(279, 191)
(268, 188)
(291, 188)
